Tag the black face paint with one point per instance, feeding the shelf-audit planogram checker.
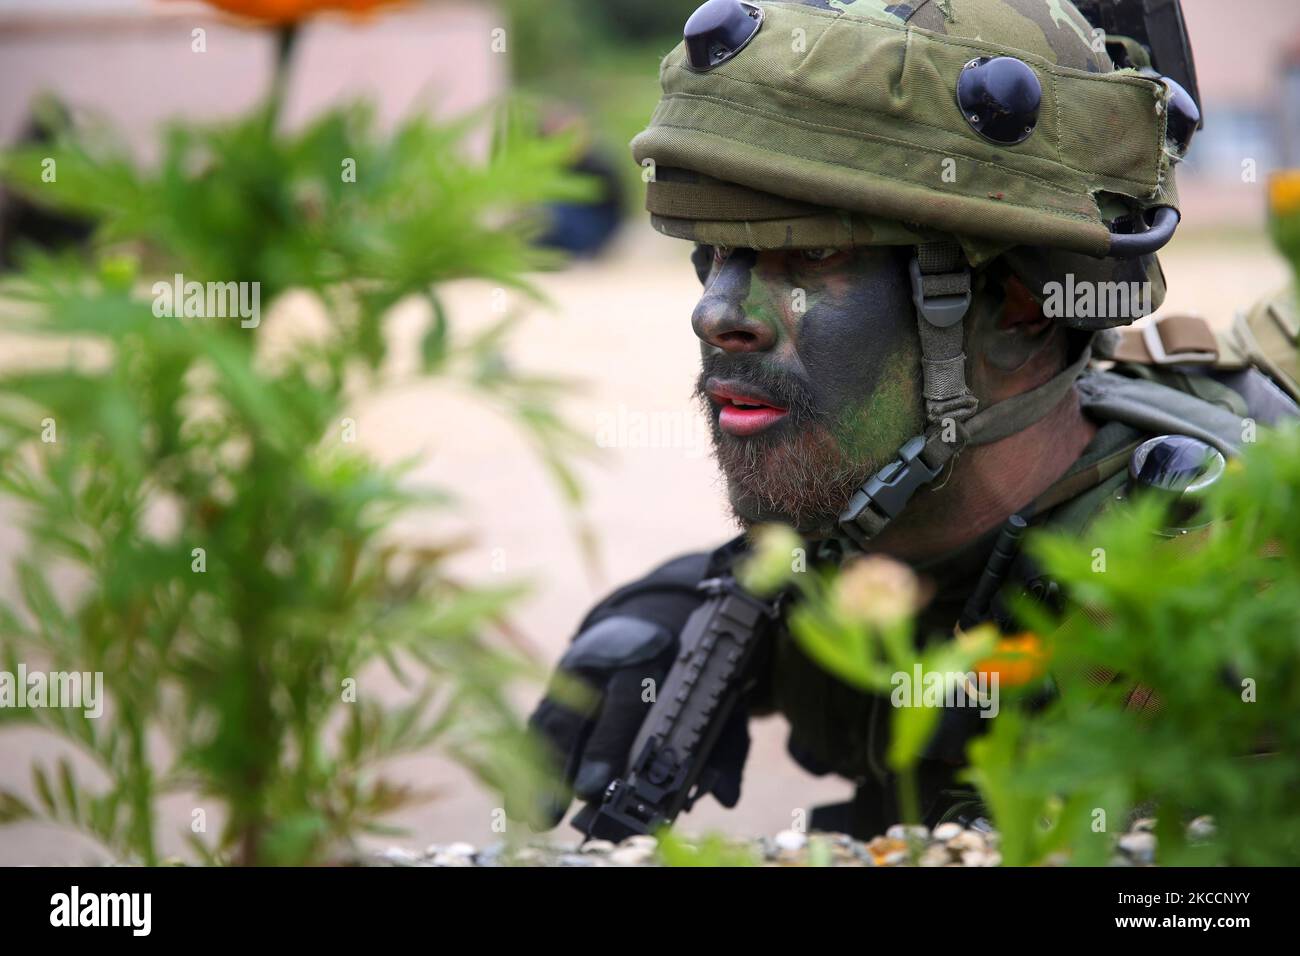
(828, 338)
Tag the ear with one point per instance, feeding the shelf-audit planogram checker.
(1014, 331)
(1019, 309)
(702, 259)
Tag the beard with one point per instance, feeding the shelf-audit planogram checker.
(799, 471)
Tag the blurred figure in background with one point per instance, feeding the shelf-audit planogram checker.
(583, 229)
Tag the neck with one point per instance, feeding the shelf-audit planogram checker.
(988, 484)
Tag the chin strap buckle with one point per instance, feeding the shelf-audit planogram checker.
(941, 292)
(883, 496)
(942, 299)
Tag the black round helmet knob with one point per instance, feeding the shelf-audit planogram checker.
(1184, 116)
(1000, 97)
(719, 30)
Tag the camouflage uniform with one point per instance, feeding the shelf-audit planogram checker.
(834, 126)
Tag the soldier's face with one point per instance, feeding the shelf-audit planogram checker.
(810, 375)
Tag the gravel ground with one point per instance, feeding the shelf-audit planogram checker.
(948, 844)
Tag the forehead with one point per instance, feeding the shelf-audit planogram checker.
(827, 269)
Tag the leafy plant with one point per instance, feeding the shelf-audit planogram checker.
(1206, 620)
(711, 850)
(236, 573)
(858, 624)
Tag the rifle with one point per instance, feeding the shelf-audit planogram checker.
(671, 752)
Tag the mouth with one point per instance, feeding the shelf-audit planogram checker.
(743, 411)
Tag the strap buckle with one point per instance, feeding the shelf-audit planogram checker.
(944, 309)
(884, 495)
(1155, 344)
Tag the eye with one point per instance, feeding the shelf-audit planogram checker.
(819, 255)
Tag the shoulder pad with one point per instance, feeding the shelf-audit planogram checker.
(1159, 410)
(1268, 336)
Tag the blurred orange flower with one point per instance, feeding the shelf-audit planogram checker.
(1017, 660)
(291, 11)
(1284, 192)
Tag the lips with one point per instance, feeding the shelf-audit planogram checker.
(743, 411)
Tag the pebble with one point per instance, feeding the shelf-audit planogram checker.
(947, 831)
(967, 840)
(490, 856)
(399, 856)
(452, 859)
(1139, 844)
(948, 845)
(631, 856)
(900, 832)
(790, 841)
(935, 855)
(887, 851)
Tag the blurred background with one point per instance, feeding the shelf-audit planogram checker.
(617, 318)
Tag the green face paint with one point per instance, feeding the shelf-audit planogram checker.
(828, 336)
(870, 430)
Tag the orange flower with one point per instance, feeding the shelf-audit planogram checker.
(1017, 660)
(1284, 192)
(291, 11)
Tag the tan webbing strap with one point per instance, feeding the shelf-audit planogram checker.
(941, 290)
(1171, 340)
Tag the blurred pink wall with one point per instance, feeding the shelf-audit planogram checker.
(132, 61)
(1240, 49)
(1239, 45)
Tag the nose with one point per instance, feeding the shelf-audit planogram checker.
(719, 318)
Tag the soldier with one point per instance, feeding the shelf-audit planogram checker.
(918, 227)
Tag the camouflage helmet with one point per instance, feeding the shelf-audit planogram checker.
(840, 123)
(973, 130)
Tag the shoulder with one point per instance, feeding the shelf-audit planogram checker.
(1268, 335)
(1248, 367)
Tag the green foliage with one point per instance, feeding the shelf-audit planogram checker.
(1208, 621)
(552, 38)
(590, 57)
(711, 850)
(235, 571)
(857, 624)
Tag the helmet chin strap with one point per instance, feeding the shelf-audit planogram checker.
(941, 290)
